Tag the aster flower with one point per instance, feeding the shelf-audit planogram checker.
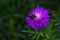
(38, 18)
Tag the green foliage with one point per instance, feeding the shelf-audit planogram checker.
(13, 24)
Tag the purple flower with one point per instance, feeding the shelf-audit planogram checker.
(38, 18)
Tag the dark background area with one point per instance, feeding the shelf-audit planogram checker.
(13, 24)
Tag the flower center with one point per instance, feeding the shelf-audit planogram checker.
(38, 17)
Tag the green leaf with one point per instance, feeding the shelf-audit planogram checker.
(38, 36)
(31, 34)
(35, 36)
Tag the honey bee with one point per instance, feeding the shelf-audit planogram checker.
(32, 15)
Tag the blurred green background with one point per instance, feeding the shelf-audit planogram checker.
(13, 24)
